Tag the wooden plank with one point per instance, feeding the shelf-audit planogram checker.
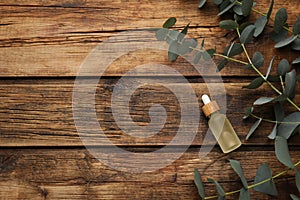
(39, 113)
(45, 40)
(75, 174)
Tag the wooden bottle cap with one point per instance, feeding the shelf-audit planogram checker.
(210, 108)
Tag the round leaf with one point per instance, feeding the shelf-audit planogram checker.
(161, 34)
(170, 22)
(282, 152)
(258, 59)
(291, 122)
(263, 100)
(263, 173)
(246, 7)
(296, 44)
(280, 19)
(296, 61)
(290, 84)
(283, 67)
(233, 50)
(228, 24)
(260, 24)
(247, 34)
(256, 83)
(286, 42)
(227, 8)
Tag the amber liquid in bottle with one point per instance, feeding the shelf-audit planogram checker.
(221, 127)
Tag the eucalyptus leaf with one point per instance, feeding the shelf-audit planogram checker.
(238, 9)
(233, 50)
(173, 34)
(247, 34)
(208, 54)
(263, 173)
(278, 36)
(290, 84)
(170, 22)
(161, 34)
(283, 67)
(201, 3)
(236, 166)
(262, 100)
(278, 112)
(296, 28)
(197, 57)
(217, 2)
(219, 188)
(273, 133)
(280, 19)
(199, 183)
(296, 61)
(244, 194)
(270, 9)
(294, 197)
(258, 59)
(183, 32)
(256, 83)
(289, 124)
(228, 24)
(297, 177)
(282, 152)
(221, 65)
(285, 42)
(296, 44)
(246, 7)
(248, 112)
(253, 128)
(260, 24)
(173, 52)
(227, 8)
(280, 98)
(270, 67)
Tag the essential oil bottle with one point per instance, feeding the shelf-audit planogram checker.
(220, 126)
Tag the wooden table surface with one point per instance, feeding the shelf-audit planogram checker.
(42, 45)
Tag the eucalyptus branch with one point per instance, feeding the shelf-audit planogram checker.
(272, 121)
(261, 75)
(257, 184)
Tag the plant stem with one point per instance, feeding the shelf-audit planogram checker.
(261, 75)
(272, 121)
(256, 184)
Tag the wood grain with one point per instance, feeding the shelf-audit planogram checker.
(37, 113)
(53, 38)
(75, 174)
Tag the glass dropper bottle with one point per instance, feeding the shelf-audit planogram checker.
(220, 126)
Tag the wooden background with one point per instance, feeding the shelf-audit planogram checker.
(42, 45)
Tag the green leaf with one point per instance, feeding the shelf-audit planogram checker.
(197, 57)
(207, 55)
(199, 183)
(221, 65)
(247, 34)
(161, 34)
(296, 28)
(286, 129)
(258, 59)
(263, 173)
(294, 197)
(238, 9)
(290, 84)
(262, 100)
(283, 67)
(248, 112)
(183, 32)
(256, 83)
(270, 10)
(170, 22)
(173, 34)
(227, 8)
(253, 128)
(228, 24)
(273, 133)
(282, 152)
(296, 61)
(236, 166)
(173, 51)
(278, 36)
(233, 50)
(270, 67)
(246, 7)
(218, 2)
(286, 42)
(244, 194)
(296, 44)
(260, 24)
(280, 19)
(201, 3)
(280, 98)
(297, 177)
(218, 187)
(278, 112)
